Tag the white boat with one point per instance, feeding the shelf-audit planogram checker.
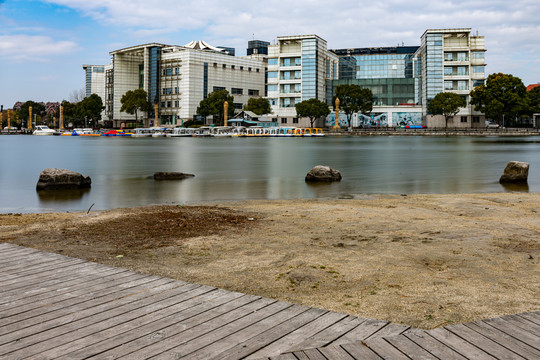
(43, 130)
(203, 131)
(142, 132)
(158, 131)
(221, 131)
(181, 132)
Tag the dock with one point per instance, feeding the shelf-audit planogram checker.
(57, 307)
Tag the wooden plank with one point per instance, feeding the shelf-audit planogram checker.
(359, 351)
(409, 348)
(288, 356)
(335, 353)
(52, 288)
(385, 349)
(103, 320)
(41, 309)
(70, 309)
(531, 316)
(514, 331)
(389, 330)
(310, 354)
(19, 280)
(156, 325)
(523, 323)
(361, 332)
(428, 343)
(195, 336)
(184, 325)
(489, 346)
(28, 264)
(330, 334)
(214, 342)
(288, 342)
(505, 340)
(459, 345)
(256, 337)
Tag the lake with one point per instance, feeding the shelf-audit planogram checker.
(253, 168)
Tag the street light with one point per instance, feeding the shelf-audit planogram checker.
(336, 123)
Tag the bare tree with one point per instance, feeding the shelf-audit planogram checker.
(77, 96)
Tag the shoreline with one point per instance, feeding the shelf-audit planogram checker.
(420, 260)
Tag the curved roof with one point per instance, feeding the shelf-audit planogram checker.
(202, 45)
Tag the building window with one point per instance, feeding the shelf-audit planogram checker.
(167, 91)
(295, 120)
(463, 119)
(272, 102)
(224, 66)
(272, 74)
(257, 70)
(252, 92)
(217, 88)
(274, 119)
(167, 72)
(162, 104)
(241, 68)
(177, 71)
(249, 69)
(215, 64)
(232, 67)
(283, 120)
(176, 90)
(476, 119)
(176, 103)
(238, 106)
(169, 103)
(272, 87)
(236, 91)
(478, 69)
(272, 61)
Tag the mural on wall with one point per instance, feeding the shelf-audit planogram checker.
(373, 120)
(331, 120)
(406, 118)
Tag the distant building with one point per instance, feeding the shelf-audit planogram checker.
(298, 69)
(532, 86)
(450, 60)
(257, 47)
(177, 78)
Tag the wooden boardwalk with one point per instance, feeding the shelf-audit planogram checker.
(55, 307)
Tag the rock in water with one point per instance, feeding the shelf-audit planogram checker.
(171, 176)
(62, 179)
(323, 173)
(516, 172)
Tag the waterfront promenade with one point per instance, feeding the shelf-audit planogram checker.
(56, 307)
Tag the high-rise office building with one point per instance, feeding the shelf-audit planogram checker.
(257, 47)
(450, 60)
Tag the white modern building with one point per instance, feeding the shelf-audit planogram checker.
(450, 60)
(176, 78)
(298, 69)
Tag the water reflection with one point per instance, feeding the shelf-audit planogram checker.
(515, 187)
(234, 169)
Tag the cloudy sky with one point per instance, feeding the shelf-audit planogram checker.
(43, 43)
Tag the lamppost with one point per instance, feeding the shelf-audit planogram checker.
(225, 109)
(61, 117)
(29, 118)
(156, 117)
(336, 124)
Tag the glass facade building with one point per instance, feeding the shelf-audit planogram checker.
(386, 71)
(257, 47)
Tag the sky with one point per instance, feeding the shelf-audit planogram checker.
(44, 43)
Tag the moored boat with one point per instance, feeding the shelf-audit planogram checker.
(43, 130)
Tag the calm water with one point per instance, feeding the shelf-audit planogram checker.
(257, 168)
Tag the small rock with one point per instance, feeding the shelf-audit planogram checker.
(171, 176)
(515, 172)
(323, 173)
(62, 179)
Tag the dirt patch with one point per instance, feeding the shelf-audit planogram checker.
(421, 260)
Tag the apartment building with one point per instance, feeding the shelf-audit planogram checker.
(450, 60)
(298, 69)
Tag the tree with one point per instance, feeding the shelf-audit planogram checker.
(353, 99)
(259, 106)
(312, 109)
(134, 101)
(90, 108)
(77, 96)
(533, 101)
(37, 109)
(502, 95)
(447, 104)
(213, 105)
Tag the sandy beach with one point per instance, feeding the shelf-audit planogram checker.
(420, 260)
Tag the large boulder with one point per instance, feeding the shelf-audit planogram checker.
(171, 176)
(516, 172)
(62, 179)
(323, 173)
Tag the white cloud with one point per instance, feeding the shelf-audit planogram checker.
(508, 26)
(28, 47)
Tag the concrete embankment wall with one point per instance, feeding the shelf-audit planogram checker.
(436, 132)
